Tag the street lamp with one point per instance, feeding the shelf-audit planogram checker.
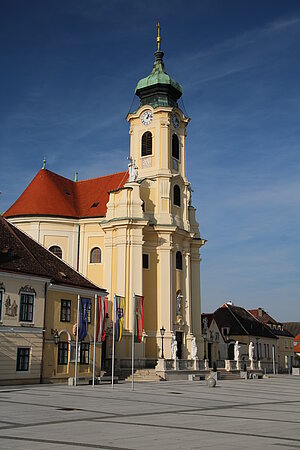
(56, 336)
(204, 333)
(257, 349)
(162, 333)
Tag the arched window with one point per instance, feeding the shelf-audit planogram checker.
(56, 250)
(175, 146)
(178, 260)
(176, 196)
(95, 255)
(147, 144)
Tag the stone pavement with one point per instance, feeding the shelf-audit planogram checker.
(237, 414)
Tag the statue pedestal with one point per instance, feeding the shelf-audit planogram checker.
(196, 364)
(206, 364)
(176, 364)
(161, 365)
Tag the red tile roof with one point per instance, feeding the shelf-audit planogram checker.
(50, 194)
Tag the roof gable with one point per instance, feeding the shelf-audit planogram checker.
(50, 194)
(240, 322)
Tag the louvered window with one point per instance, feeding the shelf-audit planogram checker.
(147, 144)
(178, 260)
(176, 196)
(175, 146)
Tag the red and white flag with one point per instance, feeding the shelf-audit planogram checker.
(139, 318)
(101, 315)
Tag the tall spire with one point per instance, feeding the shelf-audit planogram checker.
(158, 88)
(158, 39)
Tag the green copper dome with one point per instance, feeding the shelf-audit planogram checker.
(158, 88)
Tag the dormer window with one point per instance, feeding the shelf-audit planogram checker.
(175, 146)
(147, 144)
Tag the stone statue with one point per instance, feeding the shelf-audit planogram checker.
(132, 169)
(251, 351)
(178, 304)
(173, 348)
(189, 195)
(194, 351)
(237, 351)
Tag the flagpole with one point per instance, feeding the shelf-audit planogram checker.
(132, 346)
(94, 355)
(76, 350)
(113, 346)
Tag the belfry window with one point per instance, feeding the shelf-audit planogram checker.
(95, 256)
(175, 146)
(56, 250)
(176, 195)
(147, 144)
(179, 260)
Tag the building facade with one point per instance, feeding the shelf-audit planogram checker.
(134, 232)
(38, 313)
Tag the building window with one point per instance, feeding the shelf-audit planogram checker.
(65, 311)
(175, 146)
(84, 353)
(178, 260)
(1, 301)
(145, 261)
(23, 359)
(176, 195)
(95, 255)
(63, 349)
(147, 144)
(56, 250)
(26, 307)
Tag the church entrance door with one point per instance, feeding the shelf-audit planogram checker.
(179, 339)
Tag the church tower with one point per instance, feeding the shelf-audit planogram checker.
(171, 261)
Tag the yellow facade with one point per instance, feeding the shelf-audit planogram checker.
(16, 334)
(143, 218)
(53, 370)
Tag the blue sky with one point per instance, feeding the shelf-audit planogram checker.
(67, 78)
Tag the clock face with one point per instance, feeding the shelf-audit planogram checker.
(147, 117)
(175, 121)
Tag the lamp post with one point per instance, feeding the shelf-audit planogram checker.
(226, 340)
(162, 333)
(257, 348)
(204, 339)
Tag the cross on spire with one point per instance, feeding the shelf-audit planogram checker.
(158, 39)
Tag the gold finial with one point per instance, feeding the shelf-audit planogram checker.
(158, 39)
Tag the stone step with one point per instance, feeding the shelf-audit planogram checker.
(144, 375)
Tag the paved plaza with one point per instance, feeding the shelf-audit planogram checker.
(237, 414)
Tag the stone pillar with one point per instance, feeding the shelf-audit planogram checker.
(195, 292)
(187, 288)
(135, 271)
(165, 286)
